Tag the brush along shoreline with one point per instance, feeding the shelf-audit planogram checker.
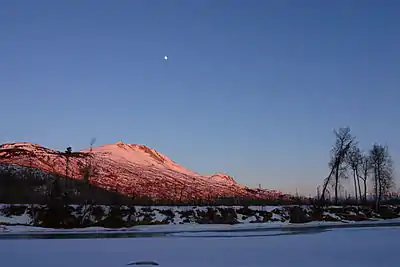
(125, 218)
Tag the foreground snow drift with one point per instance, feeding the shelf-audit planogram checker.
(344, 247)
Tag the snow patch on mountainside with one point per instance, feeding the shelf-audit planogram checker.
(223, 178)
(139, 155)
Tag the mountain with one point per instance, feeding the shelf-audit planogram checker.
(130, 169)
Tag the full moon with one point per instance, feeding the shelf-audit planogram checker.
(166, 58)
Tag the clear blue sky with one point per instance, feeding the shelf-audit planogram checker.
(251, 88)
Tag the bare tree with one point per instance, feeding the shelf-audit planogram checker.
(365, 168)
(344, 142)
(67, 153)
(92, 143)
(354, 160)
(382, 166)
(88, 169)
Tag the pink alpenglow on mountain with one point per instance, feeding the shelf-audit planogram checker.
(130, 169)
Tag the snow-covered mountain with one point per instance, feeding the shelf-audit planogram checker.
(129, 169)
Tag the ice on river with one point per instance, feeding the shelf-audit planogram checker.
(363, 247)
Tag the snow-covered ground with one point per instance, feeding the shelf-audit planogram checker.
(358, 247)
(270, 226)
(175, 215)
(126, 216)
(178, 219)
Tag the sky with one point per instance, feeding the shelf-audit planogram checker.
(250, 88)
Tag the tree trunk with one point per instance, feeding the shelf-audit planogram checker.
(66, 167)
(355, 185)
(379, 187)
(336, 183)
(359, 185)
(365, 184)
(66, 172)
(322, 199)
(376, 190)
(365, 190)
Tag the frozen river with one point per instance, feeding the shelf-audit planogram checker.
(355, 247)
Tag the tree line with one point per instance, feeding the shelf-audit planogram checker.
(371, 169)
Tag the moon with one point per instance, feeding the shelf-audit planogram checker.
(165, 58)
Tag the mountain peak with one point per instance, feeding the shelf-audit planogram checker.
(130, 169)
(223, 177)
(134, 152)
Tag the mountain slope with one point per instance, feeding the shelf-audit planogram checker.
(130, 169)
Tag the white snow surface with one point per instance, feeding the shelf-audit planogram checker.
(188, 228)
(22, 219)
(363, 247)
(23, 223)
(139, 154)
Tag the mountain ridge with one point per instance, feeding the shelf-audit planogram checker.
(130, 169)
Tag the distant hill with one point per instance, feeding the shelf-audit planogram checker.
(135, 171)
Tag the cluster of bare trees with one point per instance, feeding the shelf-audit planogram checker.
(69, 188)
(348, 160)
